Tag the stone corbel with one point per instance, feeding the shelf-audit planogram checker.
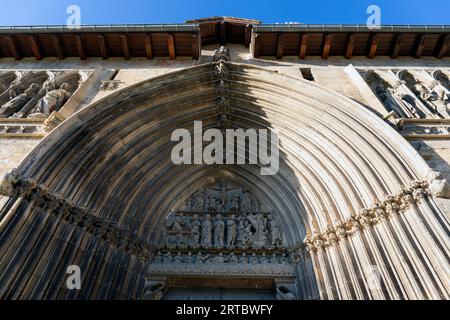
(285, 289)
(438, 186)
(155, 288)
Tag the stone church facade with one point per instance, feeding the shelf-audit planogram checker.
(359, 208)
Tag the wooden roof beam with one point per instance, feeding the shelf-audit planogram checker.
(125, 46)
(57, 44)
(442, 46)
(248, 35)
(34, 43)
(303, 45)
(396, 45)
(373, 45)
(171, 45)
(326, 45)
(102, 45)
(14, 47)
(148, 46)
(280, 46)
(349, 46)
(223, 40)
(420, 45)
(195, 46)
(79, 40)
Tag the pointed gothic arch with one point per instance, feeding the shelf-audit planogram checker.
(96, 191)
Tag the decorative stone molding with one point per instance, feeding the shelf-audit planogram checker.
(81, 217)
(21, 128)
(366, 218)
(110, 84)
(220, 264)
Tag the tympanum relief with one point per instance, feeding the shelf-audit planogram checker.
(222, 229)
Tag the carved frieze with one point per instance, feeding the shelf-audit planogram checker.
(230, 263)
(223, 215)
(392, 205)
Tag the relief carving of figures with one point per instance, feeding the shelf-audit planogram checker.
(52, 101)
(17, 102)
(195, 229)
(212, 203)
(206, 231)
(275, 232)
(246, 203)
(219, 227)
(231, 231)
(259, 225)
(198, 203)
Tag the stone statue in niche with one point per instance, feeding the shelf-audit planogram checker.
(219, 228)
(17, 102)
(206, 231)
(231, 231)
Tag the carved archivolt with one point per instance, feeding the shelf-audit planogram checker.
(13, 185)
(392, 205)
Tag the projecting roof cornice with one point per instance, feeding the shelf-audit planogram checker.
(187, 39)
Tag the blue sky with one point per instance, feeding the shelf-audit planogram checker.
(33, 12)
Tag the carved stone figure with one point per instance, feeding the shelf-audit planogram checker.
(206, 231)
(16, 103)
(283, 293)
(198, 203)
(231, 231)
(212, 203)
(178, 258)
(219, 228)
(235, 203)
(246, 203)
(259, 225)
(189, 258)
(387, 100)
(155, 292)
(232, 258)
(52, 101)
(275, 233)
(241, 232)
(243, 259)
(195, 230)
